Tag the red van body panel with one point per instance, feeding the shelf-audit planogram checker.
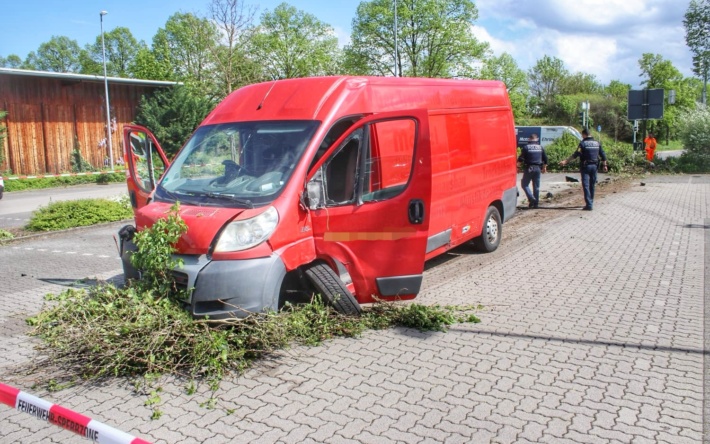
(441, 152)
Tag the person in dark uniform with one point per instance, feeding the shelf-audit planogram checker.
(534, 161)
(590, 152)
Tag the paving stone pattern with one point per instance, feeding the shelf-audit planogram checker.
(592, 332)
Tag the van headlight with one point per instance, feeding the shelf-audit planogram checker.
(243, 234)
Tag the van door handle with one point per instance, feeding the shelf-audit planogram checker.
(416, 211)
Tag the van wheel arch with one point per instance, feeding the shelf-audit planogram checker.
(300, 285)
(492, 230)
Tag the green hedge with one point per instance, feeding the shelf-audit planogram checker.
(65, 181)
(79, 213)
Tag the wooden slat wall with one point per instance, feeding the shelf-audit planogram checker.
(46, 117)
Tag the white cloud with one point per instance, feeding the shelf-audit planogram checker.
(604, 38)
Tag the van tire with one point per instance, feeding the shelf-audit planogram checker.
(332, 289)
(492, 232)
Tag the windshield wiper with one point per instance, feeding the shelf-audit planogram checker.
(231, 198)
(169, 193)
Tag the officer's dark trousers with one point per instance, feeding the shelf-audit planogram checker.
(531, 173)
(589, 179)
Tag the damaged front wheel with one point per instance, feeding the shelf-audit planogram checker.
(332, 289)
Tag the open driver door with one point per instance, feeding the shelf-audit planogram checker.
(145, 162)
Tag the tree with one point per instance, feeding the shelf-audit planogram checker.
(12, 61)
(505, 69)
(184, 45)
(546, 79)
(613, 110)
(657, 72)
(59, 54)
(291, 43)
(660, 73)
(580, 83)
(697, 37)
(146, 66)
(233, 19)
(618, 90)
(434, 39)
(173, 114)
(121, 50)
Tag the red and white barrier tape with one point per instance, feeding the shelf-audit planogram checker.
(64, 418)
(42, 176)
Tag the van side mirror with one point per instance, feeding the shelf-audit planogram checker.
(315, 193)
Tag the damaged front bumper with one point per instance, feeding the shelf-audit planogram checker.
(218, 289)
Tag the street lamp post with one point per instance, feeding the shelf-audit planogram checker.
(108, 110)
(395, 38)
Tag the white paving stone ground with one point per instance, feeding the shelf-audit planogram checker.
(592, 332)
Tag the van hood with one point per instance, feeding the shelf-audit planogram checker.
(203, 223)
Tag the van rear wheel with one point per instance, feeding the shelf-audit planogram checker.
(332, 289)
(489, 239)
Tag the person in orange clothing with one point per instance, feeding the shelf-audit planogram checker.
(650, 146)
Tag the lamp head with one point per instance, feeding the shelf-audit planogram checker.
(103, 13)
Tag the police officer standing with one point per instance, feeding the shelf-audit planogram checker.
(590, 152)
(534, 161)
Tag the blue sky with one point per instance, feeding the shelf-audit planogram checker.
(601, 37)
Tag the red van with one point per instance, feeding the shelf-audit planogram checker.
(342, 186)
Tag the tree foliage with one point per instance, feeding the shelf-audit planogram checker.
(11, 61)
(146, 65)
(660, 73)
(505, 69)
(546, 79)
(434, 39)
(697, 37)
(121, 51)
(233, 67)
(291, 43)
(580, 83)
(59, 54)
(184, 45)
(173, 114)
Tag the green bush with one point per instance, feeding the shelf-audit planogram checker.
(173, 114)
(692, 163)
(694, 130)
(79, 213)
(55, 182)
(78, 163)
(559, 150)
(620, 156)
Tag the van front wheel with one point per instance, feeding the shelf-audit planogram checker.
(489, 239)
(332, 289)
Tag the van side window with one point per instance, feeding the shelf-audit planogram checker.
(377, 160)
(341, 171)
(389, 159)
(333, 134)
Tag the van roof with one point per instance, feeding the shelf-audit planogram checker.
(317, 98)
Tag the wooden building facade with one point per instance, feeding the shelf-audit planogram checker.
(49, 114)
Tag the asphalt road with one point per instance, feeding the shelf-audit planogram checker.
(17, 207)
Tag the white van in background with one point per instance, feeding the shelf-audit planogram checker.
(547, 134)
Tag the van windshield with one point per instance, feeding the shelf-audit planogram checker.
(236, 164)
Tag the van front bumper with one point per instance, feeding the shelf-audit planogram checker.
(222, 289)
